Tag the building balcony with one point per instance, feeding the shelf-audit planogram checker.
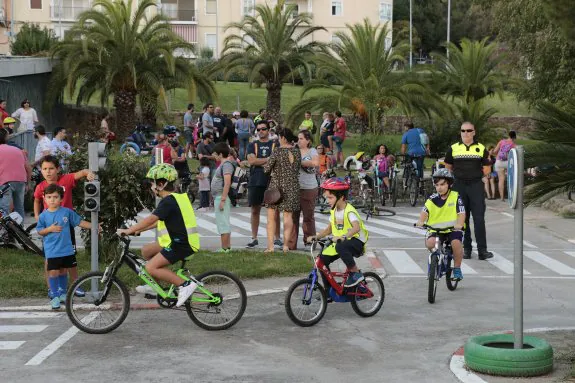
(188, 32)
(66, 13)
(179, 15)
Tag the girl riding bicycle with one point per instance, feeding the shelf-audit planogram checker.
(347, 228)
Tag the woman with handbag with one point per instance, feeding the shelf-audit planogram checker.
(283, 190)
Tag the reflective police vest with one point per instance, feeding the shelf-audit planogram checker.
(445, 216)
(330, 250)
(189, 221)
(468, 160)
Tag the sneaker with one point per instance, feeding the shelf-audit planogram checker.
(185, 292)
(252, 244)
(222, 250)
(278, 244)
(50, 295)
(145, 289)
(353, 279)
(62, 298)
(456, 275)
(79, 293)
(55, 303)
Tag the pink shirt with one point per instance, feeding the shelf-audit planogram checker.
(12, 164)
(340, 128)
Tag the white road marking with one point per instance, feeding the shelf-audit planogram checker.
(504, 264)
(550, 263)
(507, 214)
(457, 367)
(246, 226)
(371, 228)
(21, 328)
(383, 222)
(205, 224)
(402, 262)
(59, 342)
(529, 244)
(571, 253)
(571, 240)
(11, 344)
(28, 315)
(466, 269)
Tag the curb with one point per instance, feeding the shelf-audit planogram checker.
(376, 263)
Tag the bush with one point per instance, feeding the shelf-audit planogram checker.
(32, 41)
(370, 143)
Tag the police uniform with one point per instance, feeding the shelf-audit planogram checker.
(468, 162)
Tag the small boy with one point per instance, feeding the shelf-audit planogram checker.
(204, 184)
(347, 228)
(56, 224)
(445, 209)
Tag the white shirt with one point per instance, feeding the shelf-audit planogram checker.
(27, 118)
(352, 218)
(60, 146)
(43, 145)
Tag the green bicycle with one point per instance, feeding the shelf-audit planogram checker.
(217, 304)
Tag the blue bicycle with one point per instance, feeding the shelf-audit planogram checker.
(440, 262)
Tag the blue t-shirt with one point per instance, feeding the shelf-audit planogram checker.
(58, 244)
(413, 142)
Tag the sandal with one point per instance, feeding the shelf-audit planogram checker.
(269, 250)
(285, 249)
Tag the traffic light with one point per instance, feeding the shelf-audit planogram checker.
(96, 156)
(92, 196)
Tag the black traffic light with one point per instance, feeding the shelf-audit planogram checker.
(92, 196)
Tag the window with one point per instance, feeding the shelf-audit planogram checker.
(211, 7)
(336, 8)
(385, 10)
(248, 7)
(211, 42)
(35, 4)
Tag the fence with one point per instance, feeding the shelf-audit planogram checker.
(27, 142)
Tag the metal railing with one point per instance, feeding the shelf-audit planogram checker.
(179, 14)
(66, 13)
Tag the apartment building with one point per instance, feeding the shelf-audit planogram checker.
(201, 22)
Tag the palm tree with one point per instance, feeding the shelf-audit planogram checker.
(363, 63)
(114, 51)
(554, 152)
(270, 46)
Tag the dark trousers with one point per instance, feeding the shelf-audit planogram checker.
(346, 250)
(419, 165)
(205, 198)
(307, 200)
(472, 194)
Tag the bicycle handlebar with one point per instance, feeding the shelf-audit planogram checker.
(439, 230)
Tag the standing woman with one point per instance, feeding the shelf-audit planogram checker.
(308, 189)
(244, 127)
(283, 166)
(501, 152)
(27, 116)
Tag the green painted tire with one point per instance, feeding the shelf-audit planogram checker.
(534, 361)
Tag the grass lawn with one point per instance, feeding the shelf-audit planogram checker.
(24, 273)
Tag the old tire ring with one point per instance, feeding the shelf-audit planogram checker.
(533, 361)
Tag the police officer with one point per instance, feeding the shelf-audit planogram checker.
(469, 162)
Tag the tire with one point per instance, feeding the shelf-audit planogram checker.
(235, 293)
(118, 291)
(24, 238)
(394, 191)
(451, 285)
(413, 190)
(372, 280)
(130, 147)
(505, 360)
(432, 278)
(294, 297)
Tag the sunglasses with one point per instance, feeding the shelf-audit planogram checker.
(467, 130)
(320, 148)
(258, 129)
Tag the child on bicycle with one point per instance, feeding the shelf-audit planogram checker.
(347, 228)
(56, 224)
(177, 234)
(445, 209)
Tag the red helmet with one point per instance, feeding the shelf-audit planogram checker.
(335, 183)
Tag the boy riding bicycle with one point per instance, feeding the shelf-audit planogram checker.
(177, 234)
(346, 226)
(442, 210)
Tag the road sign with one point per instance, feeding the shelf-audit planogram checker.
(513, 178)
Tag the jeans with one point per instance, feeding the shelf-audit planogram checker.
(243, 141)
(204, 198)
(419, 165)
(14, 194)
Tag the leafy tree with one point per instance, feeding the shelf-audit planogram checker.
(114, 51)
(364, 65)
(562, 13)
(271, 47)
(33, 41)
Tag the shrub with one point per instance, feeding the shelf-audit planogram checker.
(32, 41)
(370, 142)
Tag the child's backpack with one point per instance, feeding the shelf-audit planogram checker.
(505, 149)
(239, 177)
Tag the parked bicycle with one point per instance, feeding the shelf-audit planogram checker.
(13, 234)
(440, 262)
(217, 304)
(410, 179)
(189, 184)
(306, 299)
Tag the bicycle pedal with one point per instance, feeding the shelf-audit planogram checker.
(150, 296)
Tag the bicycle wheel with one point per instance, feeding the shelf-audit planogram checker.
(451, 285)
(101, 318)
(23, 238)
(413, 190)
(432, 278)
(367, 307)
(394, 191)
(305, 305)
(226, 313)
(377, 211)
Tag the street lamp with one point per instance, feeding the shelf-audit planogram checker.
(410, 36)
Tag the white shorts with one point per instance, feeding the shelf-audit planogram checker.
(500, 165)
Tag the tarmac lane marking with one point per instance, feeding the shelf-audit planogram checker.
(8, 329)
(504, 264)
(28, 315)
(550, 263)
(402, 262)
(11, 344)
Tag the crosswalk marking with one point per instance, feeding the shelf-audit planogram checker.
(205, 224)
(28, 315)
(5, 329)
(571, 253)
(383, 222)
(402, 262)
(552, 264)
(371, 229)
(466, 269)
(503, 264)
(10, 344)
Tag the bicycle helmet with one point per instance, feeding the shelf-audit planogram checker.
(163, 171)
(442, 173)
(335, 183)
(9, 120)
(358, 155)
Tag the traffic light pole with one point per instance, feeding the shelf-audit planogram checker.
(96, 162)
(94, 239)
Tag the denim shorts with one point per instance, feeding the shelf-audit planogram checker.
(222, 216)
(189, 136)
(338, 143)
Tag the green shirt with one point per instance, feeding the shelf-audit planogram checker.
(306, 125)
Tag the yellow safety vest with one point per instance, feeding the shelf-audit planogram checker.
(189, 221)
(330, 250)
(445, 216)
(460, 151)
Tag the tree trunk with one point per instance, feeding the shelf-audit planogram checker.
(274, 99)
(125, 104)
(149, 103)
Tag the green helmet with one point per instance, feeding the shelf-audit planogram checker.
(163, 171)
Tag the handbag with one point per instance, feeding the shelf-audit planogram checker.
(272, 195)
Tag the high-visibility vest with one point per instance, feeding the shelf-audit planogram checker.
(189, 221)
(445, 216)
(330, 250)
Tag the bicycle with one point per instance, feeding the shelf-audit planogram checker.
(411, 179)
(439, 263)
(11, 232)
(189, 184)
(220, 295)
(300, 298)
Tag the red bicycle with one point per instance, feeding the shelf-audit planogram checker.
(306, 299)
